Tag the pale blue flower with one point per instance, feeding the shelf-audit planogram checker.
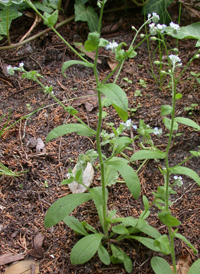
(134, 127)
(112, 45)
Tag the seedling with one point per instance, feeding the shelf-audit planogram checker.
(127, 80)
(143, 83)
(191, 108)
(138, 93)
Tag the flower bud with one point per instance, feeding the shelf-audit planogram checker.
(196, 56)
(133, 28)
(163, 72)
(153, 38)
(157, 62)
(142, 35)
(175, 50)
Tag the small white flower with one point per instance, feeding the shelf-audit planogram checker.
(174, 59)
(156, 131)
(155, 18)
(134, 127)
(179, 179)
(69, 175)
(161, 27)
(153, 29)
(21, 65)
(176, 27)
(10, 70)
(128, 123)
(112, 45)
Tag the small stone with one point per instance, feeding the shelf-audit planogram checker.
(88, 176)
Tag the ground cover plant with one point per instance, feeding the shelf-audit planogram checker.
(128, 226)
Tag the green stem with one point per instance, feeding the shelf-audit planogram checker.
(7, 26)
(172, 249)
(102, 168)
(174, 82)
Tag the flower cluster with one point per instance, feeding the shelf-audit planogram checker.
(154, 17)
(176, 27)
(11, 70)
(155, 28)
(178, 180)
(112, 45)
(175, 59)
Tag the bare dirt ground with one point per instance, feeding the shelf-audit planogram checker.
(25, 200)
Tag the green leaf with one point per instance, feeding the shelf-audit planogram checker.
(195, 268)
(147, 154)
(191, 31)
(177, 235)
(42, 7)
(103, 42)
(167, 219)
(69, 128)
(178, 96)
(131, 53)
(120, 229)
(160, 266)
(86, 15)
(13, 14)
(128, 174)
(163, 244)
(145, 202)
(121, 143)
(128, 263)
(64, 206)
(186, 171)
(146, 228)
(50, 19)
(167, 123)
(74, 62)
(103, 255)
(111, 175)
(148, 242)
(85, 248)
(187, 122)
(111, 214)
(74, 224)
(120, 256)
(159, 7)
(92, 42)
(118, 98)
(166, 109)
(98, 201)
